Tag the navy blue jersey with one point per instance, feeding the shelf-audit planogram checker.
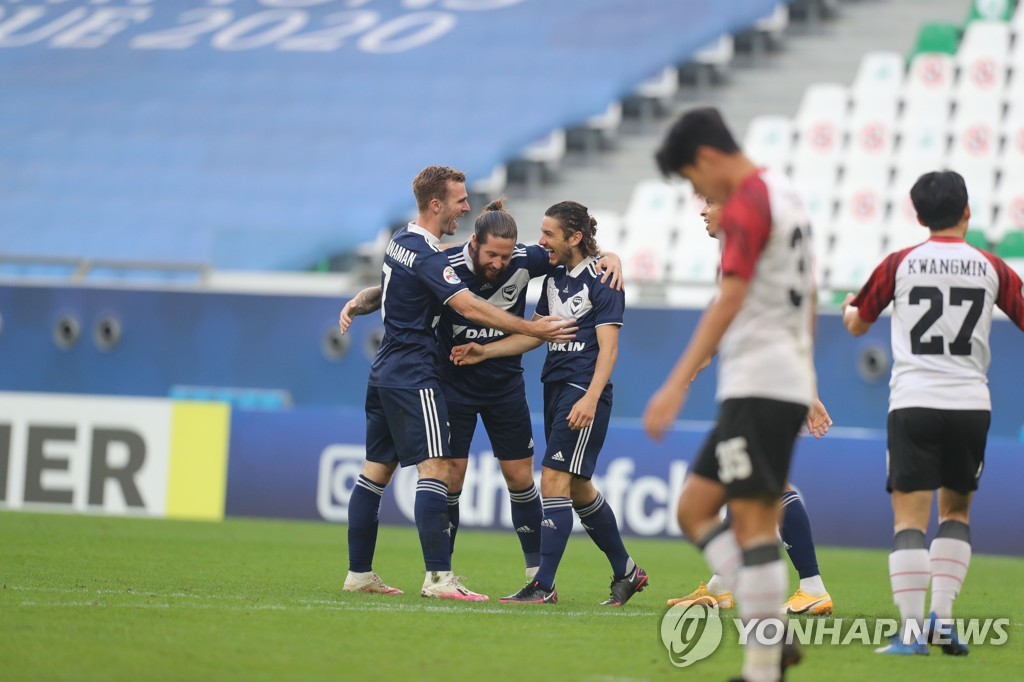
(416, 281)
(580, 294)
(499, 379)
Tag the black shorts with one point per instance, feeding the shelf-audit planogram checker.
(930, 449)
(749, 449)
(508, 427)
(409, 425)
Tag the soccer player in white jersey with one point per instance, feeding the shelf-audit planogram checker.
(761, 326)
(942, 291)
(811, 598)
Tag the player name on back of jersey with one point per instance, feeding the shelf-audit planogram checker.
(401, 254)
(947, 266)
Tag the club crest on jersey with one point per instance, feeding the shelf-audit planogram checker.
(450, 276)
(509, 292)
(576, 304)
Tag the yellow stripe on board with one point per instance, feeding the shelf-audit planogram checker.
(197, 480)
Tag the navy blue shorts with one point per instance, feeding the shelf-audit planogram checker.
(406, 424)
(568, 450)
(508, 427)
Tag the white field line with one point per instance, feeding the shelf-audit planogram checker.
(386, 605)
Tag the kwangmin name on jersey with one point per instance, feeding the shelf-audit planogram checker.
(416, 281)
(942, 293)
(500, 379)
(578, 294)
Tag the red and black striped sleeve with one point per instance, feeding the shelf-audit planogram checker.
(880, 288)
(1010, 297)
(746, 223)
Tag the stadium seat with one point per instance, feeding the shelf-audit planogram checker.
(854, 255)
(660, 87)
(978, 239)
(930, 78)
(653, 211)
(936, 37)
(1011, 157)
(609, 230)
(1009, 202)
(871, 138)
(493, 185)
(973, 153)
(982, 58)
(718, 54)
(1011, 246)
(990, 10)
(769, 141)
(820, 124)
(879, 73)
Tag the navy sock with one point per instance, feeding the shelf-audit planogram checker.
(527, 514)
(363, 508)
(453, 516)
(432, 523)
(554, 536)
(599, 521)
(796, 533)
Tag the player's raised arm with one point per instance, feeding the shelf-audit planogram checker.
(365, 302)
(483, 313)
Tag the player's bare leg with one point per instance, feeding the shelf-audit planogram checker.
(698, 516)
(364, 506)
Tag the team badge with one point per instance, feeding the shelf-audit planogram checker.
(450, 276)
(509, 292)
(576, 304)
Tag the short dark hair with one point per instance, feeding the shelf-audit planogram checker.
(432, 183)
(939, 198)
(702, 127)
(495, 221)
(574, 217)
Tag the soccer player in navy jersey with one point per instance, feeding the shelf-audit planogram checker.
(943, 292)
(406, 414)
(577, 402)
(498, 270)
(761, 325)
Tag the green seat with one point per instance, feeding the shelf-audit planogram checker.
(977, 239)
(936, 37)
(991, 10)
(1012, 245)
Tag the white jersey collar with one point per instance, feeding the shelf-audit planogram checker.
(426, 234)
(583, 264)
(469, 259)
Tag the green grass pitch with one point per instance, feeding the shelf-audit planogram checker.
(95, 598)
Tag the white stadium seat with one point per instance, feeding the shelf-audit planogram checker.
(879, 74)
(982, 58)
(769, 141)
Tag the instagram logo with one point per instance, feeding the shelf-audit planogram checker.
(340, 466)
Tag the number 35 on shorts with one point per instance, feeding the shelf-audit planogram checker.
(733, 460)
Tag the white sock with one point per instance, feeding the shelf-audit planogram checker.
(909, 576)
(949, 560)
(760, 588)
(716, 585)
(724, 557)
(813, 585)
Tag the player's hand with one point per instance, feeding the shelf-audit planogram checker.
(345, 318)
(846, 302)
(611, 265)
(818, 420)
(582, 413)
(662, 409)
(467, 354)
(552, 328)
